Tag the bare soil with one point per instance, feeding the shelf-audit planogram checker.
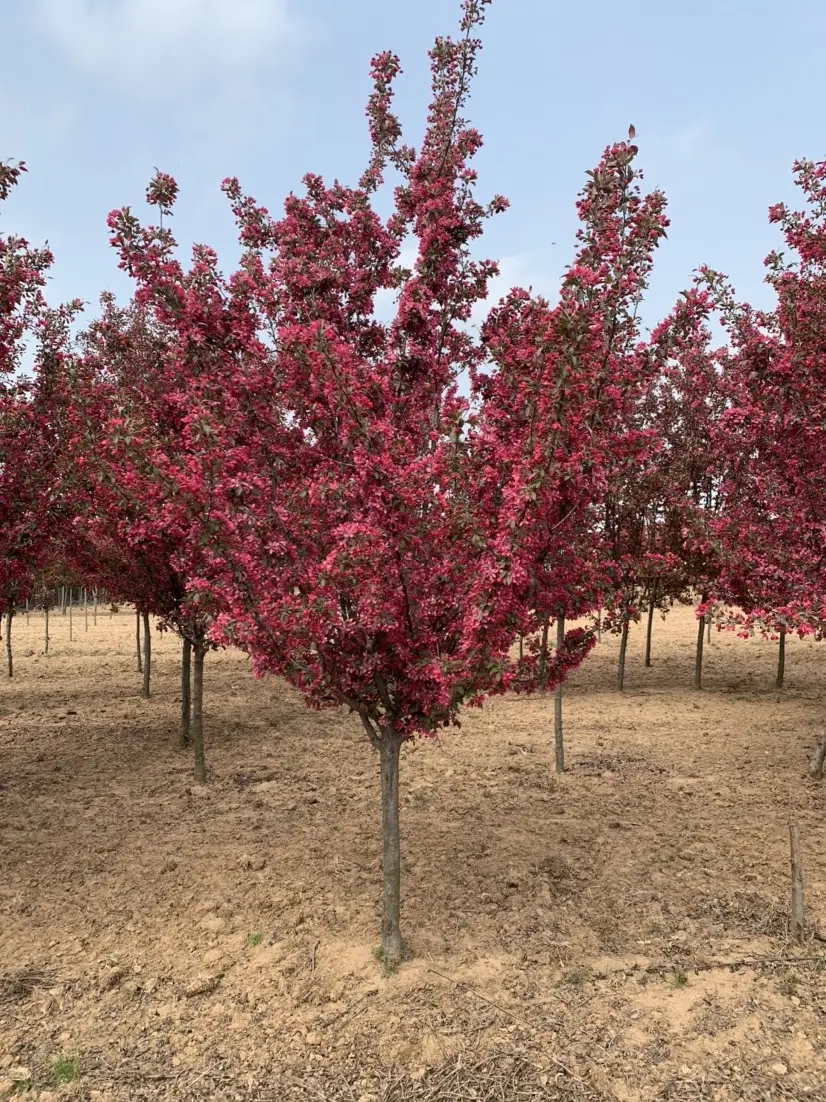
(617, 933)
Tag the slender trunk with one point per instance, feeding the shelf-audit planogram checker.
(95, 606)
(391, 938)
(138, 638)
(147, 654)
(708, 629)
(186, 691)
(9, 618)
(818, 758)
(622, 654)
(652, 600)
(521, 646)
(543, 652)
(698, 659)
(63, 600)
(197, 727)
(797, 929)
(27, 612)
(85, 610)
(559, 742)
(71, 625)
(781, 659)
(46, 629)
(599, 625)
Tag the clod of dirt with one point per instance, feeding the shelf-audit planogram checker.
(202, 985)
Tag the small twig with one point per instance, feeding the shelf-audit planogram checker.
(312, 963)
(348, 1009)
(479, 995)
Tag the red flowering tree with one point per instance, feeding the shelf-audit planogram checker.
(773, 434)
(133, 534)
(371, 534)
(29, 494)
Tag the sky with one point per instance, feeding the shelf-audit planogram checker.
(724, 95)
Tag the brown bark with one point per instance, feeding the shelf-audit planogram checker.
(796, 918)
(9, 656)
(186, 690)
(781, 659)
(46, 629)
(85, 610)
(818, 759)
(392, 945)
(147, 655)
(71, 624)
(559, 741)
(138, 638)
(622, 654)
(652, 601)
(95, 607)
(197, 725)
(698, 657)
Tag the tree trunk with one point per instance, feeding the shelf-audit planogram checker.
(46, 629)
(651, 606)
(95, 606)
(9, 618)
(796, 918)
(85, 610)
(622, 654)
(599, 625)
(197, 726)
(186, 690)
(71, 625)
(27, 612)
(543, 652)
(138, 638)
(521, 646)
(698, 658)
(391, 938)
(559, 742)
(708, 629)
(781, 659)
(147, 654)
(818, 759)
(63, 600)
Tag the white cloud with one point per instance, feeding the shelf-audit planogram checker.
(160, 47)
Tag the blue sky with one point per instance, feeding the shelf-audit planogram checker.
(724, 96)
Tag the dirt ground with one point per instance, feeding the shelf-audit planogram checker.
(617, 933)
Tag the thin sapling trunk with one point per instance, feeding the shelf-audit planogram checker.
(197, 726)
(85, 610)
(698, 658)
(9, 656)
(781, 659)
(622, 654)
(652, 603)
(559, 742)
(392, 946)
(46, 629)
(138, 639)
(147, 654)
(186, 690)
(71, 625)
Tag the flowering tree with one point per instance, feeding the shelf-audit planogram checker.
(368, 532)
(133, 535)
(773, 433)
(29, 499)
